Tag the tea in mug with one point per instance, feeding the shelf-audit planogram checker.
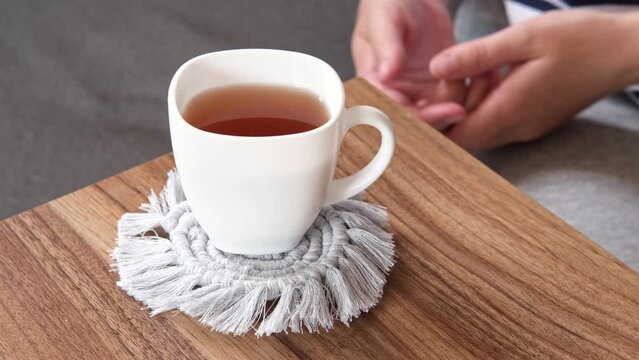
(256, 110)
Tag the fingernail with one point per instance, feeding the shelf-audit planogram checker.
(443, 64)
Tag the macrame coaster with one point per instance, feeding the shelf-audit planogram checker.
(336, 272)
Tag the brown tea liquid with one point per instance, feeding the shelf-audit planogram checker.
(256, 110)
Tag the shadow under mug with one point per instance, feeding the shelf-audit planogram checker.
(259, 195)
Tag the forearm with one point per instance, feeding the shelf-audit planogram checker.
(629, 36)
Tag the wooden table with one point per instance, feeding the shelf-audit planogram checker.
(483, 272)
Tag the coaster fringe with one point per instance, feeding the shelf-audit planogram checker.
(336, 280)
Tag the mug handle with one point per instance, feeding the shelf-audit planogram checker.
(344, 188)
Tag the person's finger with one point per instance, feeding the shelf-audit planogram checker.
(433, 92)
(499, 119)
(479, 87)
(484, 54)
(396, 95)
(364, 57)
(365, 62)
(386, 38)
(442, 115)
(445, 91)
(393, 93)
(498, 75)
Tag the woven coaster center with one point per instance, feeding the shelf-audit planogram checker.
(337, 271)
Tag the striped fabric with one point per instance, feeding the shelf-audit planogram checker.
(520, 10)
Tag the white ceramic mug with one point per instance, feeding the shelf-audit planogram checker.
(259, 195)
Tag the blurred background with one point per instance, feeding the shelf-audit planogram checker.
(83, 96)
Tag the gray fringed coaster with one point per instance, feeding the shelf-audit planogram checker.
(336, 272)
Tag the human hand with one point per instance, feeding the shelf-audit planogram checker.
(558, 63)
(392, 44)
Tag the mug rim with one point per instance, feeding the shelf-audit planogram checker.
(332, 73)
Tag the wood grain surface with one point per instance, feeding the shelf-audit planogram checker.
(483, 272)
